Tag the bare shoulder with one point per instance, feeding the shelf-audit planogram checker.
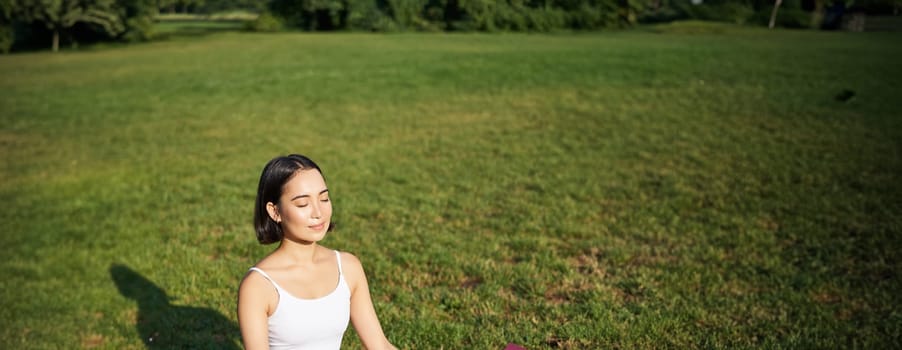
(254, 282)
(350, 262)
(352, 269)
(256, 294)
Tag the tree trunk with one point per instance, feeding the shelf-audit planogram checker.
(56, 40)
(773, 15)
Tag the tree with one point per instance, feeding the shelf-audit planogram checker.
(138, 16)
(312, 14)
(186, 6)
(7, 36)
(212, 6)
(168, 5)
(773, 14)
(60, 15)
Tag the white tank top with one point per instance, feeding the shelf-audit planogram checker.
(310, 323)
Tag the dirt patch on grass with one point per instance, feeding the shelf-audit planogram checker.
(92, 341)
(589, 263)
(470, 282)
(564, 343)
(575, 288)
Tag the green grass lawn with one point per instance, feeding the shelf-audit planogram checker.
(646, 189)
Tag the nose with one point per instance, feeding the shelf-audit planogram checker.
(317, 213)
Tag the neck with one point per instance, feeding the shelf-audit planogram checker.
(299, 252)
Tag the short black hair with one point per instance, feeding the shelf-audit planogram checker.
(275, 175)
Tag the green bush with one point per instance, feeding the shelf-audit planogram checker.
(478, 15)
(138, 16)
(312, 14)
(661, 15)
(793, 18)
(733, 12)
(139, 29)
(486, 15)
(364, 15)
(786, 18)
(265, 22)
(7, 37)
(407, 13)
(593, 17)
(425, 25)
(545, 20)
(7, 34)
(510, 18)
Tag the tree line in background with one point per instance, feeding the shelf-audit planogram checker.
(549, 15)
(210, 6)
(32, 21)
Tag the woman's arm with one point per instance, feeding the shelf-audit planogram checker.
(253, 309)
(363, 315)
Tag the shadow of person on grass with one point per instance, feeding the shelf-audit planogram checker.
(165, 326)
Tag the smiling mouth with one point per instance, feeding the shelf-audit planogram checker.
(318, 227)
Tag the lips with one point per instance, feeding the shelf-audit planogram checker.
(317, 227)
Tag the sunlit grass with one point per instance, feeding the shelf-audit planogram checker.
(570, 191)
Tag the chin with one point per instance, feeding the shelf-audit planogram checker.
(318, 235)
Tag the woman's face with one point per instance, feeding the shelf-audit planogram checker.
(304, 210)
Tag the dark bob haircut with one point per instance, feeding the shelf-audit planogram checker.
(275, 175)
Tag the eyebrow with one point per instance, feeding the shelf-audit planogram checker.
(307, 195)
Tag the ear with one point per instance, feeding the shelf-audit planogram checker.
(273, 211)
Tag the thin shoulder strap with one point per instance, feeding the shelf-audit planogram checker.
(338, 257)
(266, 276)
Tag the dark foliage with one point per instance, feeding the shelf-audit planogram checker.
(539, 15)
(29, 25)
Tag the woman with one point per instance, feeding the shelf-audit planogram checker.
(302, 294)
